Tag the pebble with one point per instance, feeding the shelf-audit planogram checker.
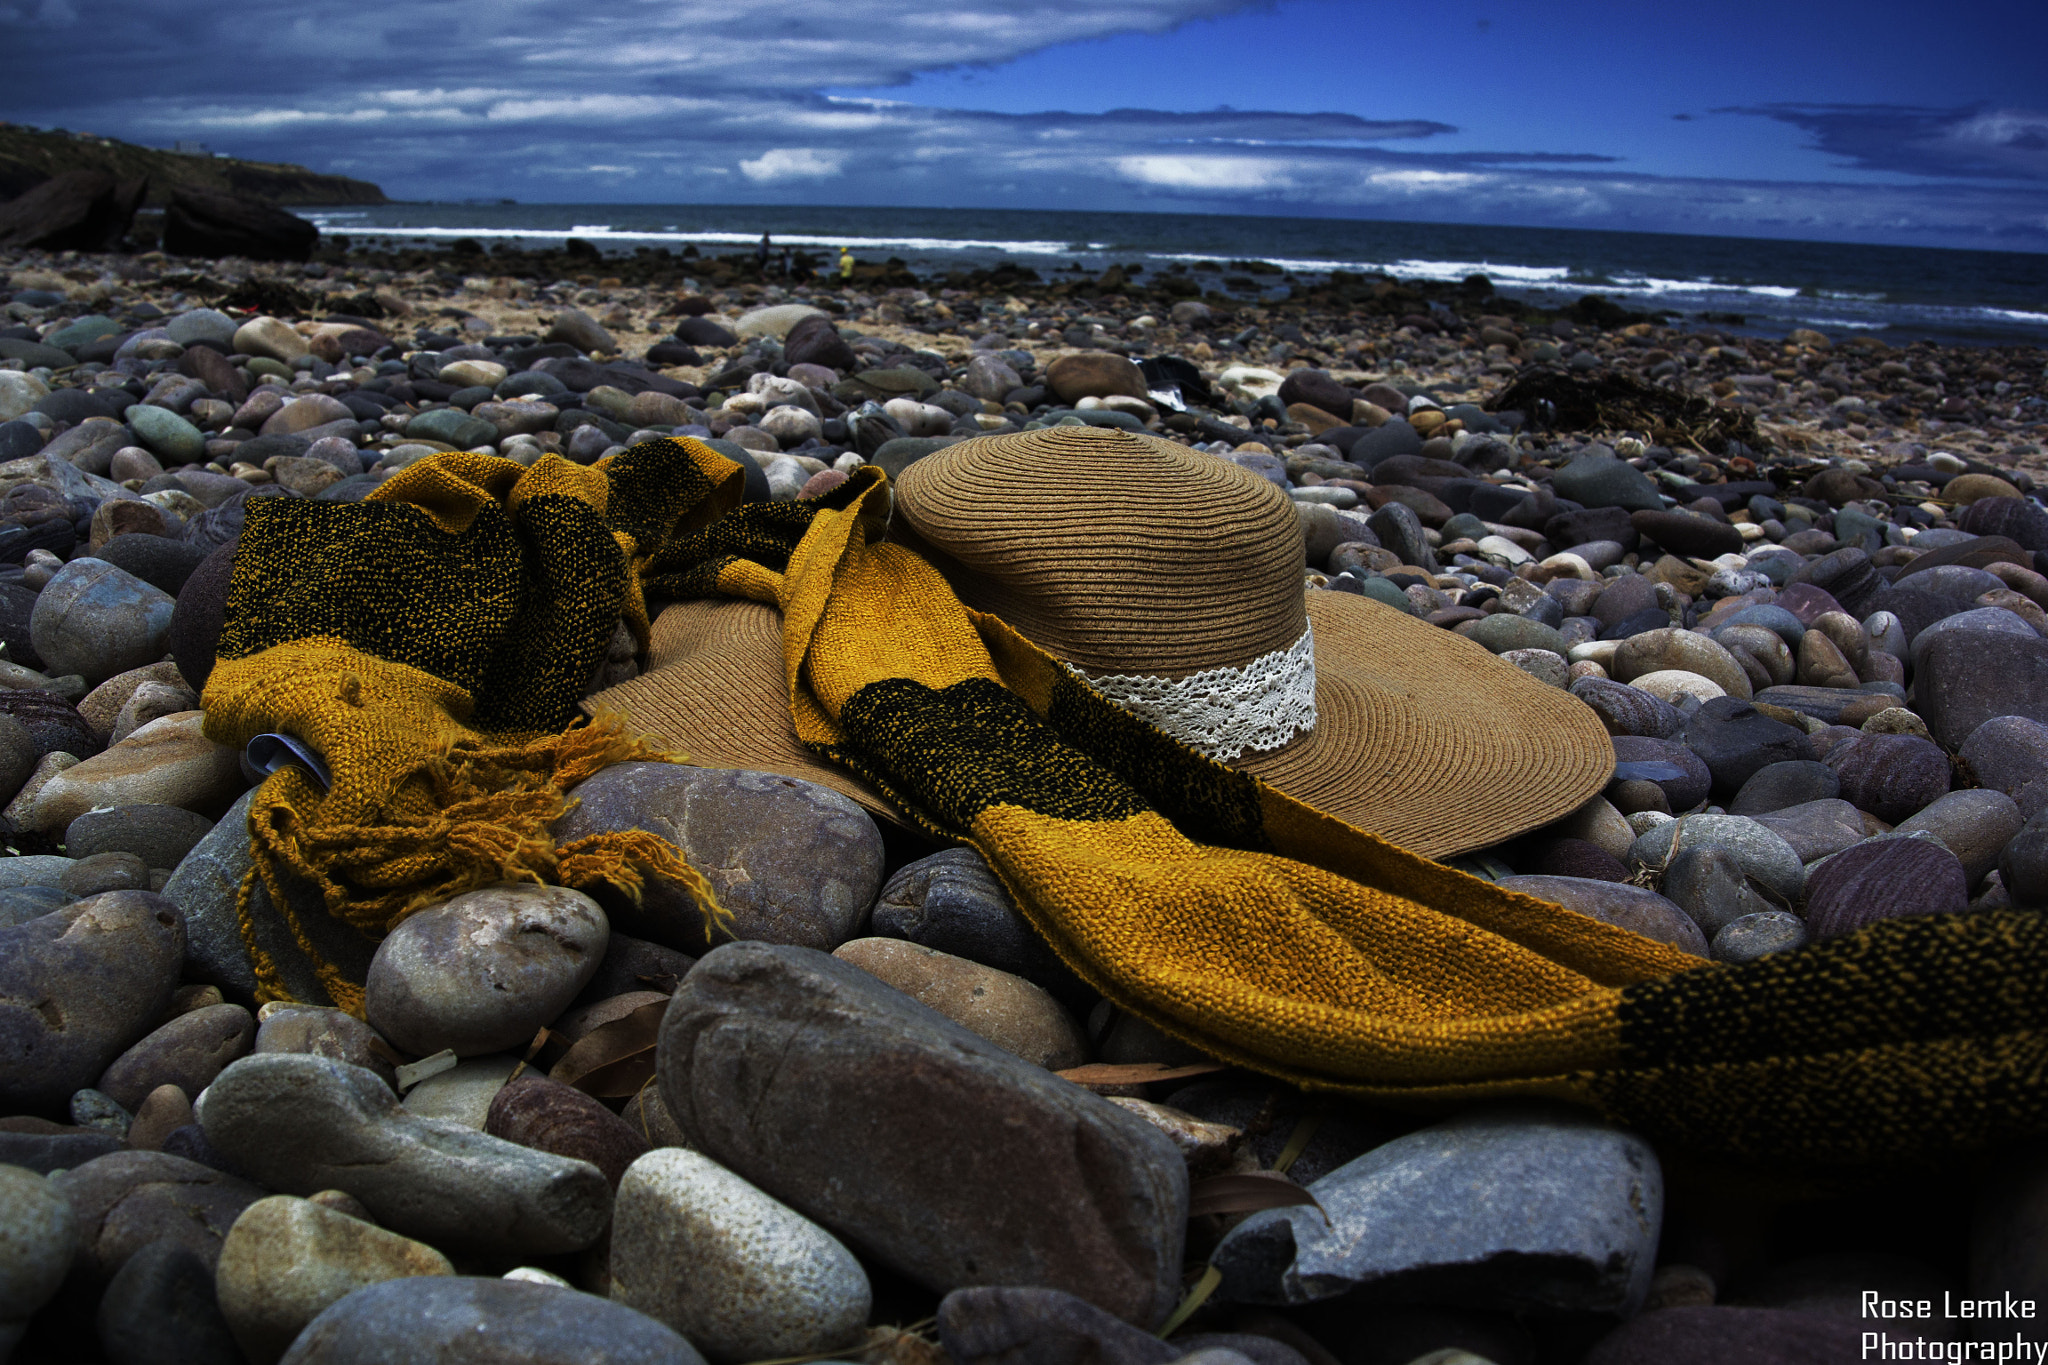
(286, 1260)
(301, 1123)
(1024, 1325)
(1891, 776)
(482, 972)
(1973, 825)
(77, 988)
(1007, 1010)
(1657, 651)
(947, 1118)
(160, 1309)
(742, 1276)
(167, 762)
(126, 1200)
(793, 861)
(1884, 879)
(1710, 885)
(457, 1320)
(1764, 855)
(38, 1232)
(548, 1116)
(95, 620)
(187, 1052)
(462, 1094)
(1424, 1209)
(1620, 904)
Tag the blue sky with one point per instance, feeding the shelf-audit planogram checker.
(1884, 121)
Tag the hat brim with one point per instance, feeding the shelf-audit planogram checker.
(713, 690)
(1430, 741)
(1422, 737)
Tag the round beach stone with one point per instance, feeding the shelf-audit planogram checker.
(267, 336)
(1506, 631)
(1094, 374)
(548, 1116)
(1764, 855)
(38, 1234)
(1656, 651)
(1883, 879)
(482, 972)
(1626, 710)
(1759, 935)
(160, 1306)
(187, 1052)
(1710, 885)
(1007, 1010)
(159, 835)
(792, 861)
(287, 1259)
(77, 987)
(1891, 776)
(456, 1320)
(157, 1195)
(1681, 792)
(95, 620)
(1791, 782)
(323, 1031)
(169, 761)
(1974, 825)
(1736, 741)
(1670, 684)
(741, 1275)
(1620, 904)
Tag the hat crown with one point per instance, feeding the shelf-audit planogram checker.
(1116, 552)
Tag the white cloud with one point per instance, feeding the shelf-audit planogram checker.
(791, 163)
(1207, 172)
(1425, 181)
(594, 107)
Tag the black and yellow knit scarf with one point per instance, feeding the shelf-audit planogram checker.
(471, 599)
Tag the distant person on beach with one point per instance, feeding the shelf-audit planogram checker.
(761, 253)
(845, 263)
(785, 263)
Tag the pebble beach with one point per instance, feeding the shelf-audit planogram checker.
(1802, 581)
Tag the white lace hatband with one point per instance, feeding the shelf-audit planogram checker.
(1224, 712)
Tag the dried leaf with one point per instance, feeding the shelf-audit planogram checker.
(1134, 1073)
(614, 1060)
(1248, 1192)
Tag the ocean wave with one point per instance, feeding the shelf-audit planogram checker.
(594, 233)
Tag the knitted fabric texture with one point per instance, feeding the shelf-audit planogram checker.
(431, 643)
(1273, 936)
(1258, 929)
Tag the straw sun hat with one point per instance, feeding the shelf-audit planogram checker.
(1171, 581)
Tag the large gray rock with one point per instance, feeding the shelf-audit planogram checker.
(159, 835)
(459, 1321)
(1964, 678)
(204, 887)
(76, 988)
(301, 1124)
(2010, 754)
(96, 620)
(794, 862)
(972, 1166)
(160, 1309)
(484, 971)
(1515, 1208)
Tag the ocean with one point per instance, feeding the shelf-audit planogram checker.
(1900, 294)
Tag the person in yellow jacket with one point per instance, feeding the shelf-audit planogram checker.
(845, 264)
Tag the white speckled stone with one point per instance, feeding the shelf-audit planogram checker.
(741, 1275)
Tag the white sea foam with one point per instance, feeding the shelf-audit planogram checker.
(592, 232)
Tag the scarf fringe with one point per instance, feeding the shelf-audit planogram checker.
(492, 811)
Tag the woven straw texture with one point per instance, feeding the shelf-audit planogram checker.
(1273, 935)
(1126, 554)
